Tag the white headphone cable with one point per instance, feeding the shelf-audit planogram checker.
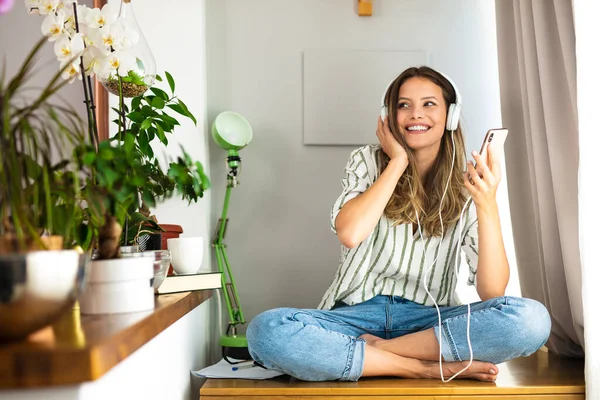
(460, 227)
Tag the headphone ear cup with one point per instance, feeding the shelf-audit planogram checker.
(383, 112)
(453, 117)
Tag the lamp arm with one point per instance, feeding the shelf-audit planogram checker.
(230, 293)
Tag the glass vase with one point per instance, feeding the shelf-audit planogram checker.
(133, 64)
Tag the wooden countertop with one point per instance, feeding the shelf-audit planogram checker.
(78, 348)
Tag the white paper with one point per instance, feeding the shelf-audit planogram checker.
(245, 370)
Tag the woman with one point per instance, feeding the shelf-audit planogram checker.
(399, 221)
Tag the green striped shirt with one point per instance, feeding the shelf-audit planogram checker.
(392, 260)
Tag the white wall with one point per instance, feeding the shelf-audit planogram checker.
(280, 246)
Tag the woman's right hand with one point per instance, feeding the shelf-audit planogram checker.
(388, 142)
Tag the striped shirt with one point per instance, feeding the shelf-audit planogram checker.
(392, 260)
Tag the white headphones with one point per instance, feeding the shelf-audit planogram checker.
(453, 109)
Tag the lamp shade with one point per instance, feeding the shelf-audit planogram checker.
(231, 131)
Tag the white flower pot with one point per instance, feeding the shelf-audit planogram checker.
(121, 285)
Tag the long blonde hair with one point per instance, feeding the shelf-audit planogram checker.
(410, 193)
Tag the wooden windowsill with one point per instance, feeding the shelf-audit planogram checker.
(540, 376)
(78, 349)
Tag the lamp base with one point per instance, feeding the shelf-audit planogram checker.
(235, 347)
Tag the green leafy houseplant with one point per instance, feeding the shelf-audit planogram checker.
(124, 177)
(38, 191)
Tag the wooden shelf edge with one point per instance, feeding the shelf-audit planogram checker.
(34, 365)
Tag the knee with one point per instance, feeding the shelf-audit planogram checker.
(533, 324)
(263, 332)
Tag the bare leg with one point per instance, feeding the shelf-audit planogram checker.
(422, 345)
(380, 362)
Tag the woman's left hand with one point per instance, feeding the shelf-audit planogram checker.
(482, 181)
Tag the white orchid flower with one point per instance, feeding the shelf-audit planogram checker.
(48, 7)
(82, 12)
(125, 37)
(67, 48)
(93, 38)
(65, 5)
(53, 25)
(105, 37)
(67, 8)
(71, 70)
(93, 59)
(119, 63)
(97, 18)
(33, 6)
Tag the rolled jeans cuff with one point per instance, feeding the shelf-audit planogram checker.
(449, 351)
(355, 361)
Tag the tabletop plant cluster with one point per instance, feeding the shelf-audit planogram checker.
(56, 177)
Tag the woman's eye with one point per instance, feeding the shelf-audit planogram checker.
(402, 105)
(429, 104)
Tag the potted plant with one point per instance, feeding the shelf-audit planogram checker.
(122, 177)
(39, 274)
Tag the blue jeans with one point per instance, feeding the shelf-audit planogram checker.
(318, 345)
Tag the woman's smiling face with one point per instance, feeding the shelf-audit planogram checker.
(421, 114)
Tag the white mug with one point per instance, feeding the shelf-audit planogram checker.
(186, 254)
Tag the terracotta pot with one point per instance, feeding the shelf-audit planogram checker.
(171, 231)
(10, 244)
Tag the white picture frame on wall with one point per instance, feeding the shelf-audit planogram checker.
(342, 92)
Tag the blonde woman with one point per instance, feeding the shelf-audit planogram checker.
(400, 224)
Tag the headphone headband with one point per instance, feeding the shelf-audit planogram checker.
(453, 108)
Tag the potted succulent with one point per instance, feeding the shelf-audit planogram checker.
(39, 275)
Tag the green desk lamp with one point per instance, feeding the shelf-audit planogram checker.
(231, 132)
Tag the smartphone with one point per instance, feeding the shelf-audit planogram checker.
(495, 138)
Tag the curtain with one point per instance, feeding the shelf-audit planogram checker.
(550, 96)
(536, 53)
(587, 31)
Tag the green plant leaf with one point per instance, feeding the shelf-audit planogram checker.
(146, 124)
(135, 102)
(148, 111)
(110, 176)
(89, 158)
(136, 116)
(161, 135)
(177, 108)
(160, 93)
(143, 141)
(171, 81)
(187, 111)
(106, 153)
(158, 102)
(129, 143)
(169, 120)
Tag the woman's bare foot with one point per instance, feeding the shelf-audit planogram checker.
(479, 370)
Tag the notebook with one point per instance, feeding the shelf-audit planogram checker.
(245, 370)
